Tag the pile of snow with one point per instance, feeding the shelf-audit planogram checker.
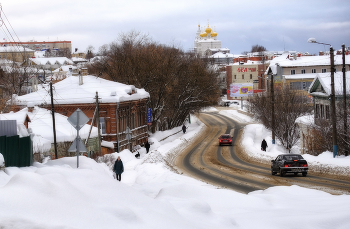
(2, 161)
(234, 114)
(56, 194)
(255, 133)
(209, 109)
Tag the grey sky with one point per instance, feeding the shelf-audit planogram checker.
(277, 25)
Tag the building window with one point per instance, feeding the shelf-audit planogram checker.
(327, 112)
(306, 85)
(322, 111)
(251, 76)
(335, 70)
(303, 71)
(324, 70)
(317, 112)
(102, 125)
(313, 70)
(292, 72)
(235, 77)
(243, 77)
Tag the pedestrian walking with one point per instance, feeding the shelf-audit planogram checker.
(118, 168)
(263, 145)
(184, 128)
(147, 146)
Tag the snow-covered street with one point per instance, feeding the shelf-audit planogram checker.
(56, 194)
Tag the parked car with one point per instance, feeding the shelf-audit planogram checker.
(289, 163)
(225, 139)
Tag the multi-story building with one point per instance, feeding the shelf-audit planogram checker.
(243, 73)
(299, 71)
(16, 53)
(41, 45)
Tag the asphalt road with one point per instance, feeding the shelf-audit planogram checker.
(229, 167)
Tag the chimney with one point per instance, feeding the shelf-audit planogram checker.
(30, 107)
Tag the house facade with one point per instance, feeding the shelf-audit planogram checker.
(120, 106)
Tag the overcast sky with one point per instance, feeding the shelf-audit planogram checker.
(277, 25)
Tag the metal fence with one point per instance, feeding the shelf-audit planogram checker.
(17, 151)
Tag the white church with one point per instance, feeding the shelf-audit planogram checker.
(206, 42)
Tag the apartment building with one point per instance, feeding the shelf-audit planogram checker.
(41, 45)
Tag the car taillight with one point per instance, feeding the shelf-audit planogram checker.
(285, 165)
(304, 165)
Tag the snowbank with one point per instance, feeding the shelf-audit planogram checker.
(255, 133)
(56, 194)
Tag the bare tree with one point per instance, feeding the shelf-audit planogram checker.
(289, 105)
(178, 82)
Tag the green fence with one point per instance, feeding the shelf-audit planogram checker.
(17, 151)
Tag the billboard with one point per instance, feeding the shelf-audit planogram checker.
(241, 89)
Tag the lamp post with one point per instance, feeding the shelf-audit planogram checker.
(344, 102)
(334, 124)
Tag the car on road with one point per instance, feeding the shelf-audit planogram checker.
(225, 139)
(289, 163)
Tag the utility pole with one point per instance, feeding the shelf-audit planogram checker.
(98, 123)
(272, 110)
(344, 103)
(53, 122)
(334, 118)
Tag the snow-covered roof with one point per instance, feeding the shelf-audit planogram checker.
(51, 60)
(78, 59)
(325, 80)
(68, 91)
(285, 60)
(221, 55)
(39, 54)
(20, 117)
(301, 76)
(64, 68)
(41, 124)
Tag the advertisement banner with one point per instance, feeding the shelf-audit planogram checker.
(241, 89)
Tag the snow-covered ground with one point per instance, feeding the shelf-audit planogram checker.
(56, 194)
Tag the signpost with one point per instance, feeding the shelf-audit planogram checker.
(78, 119)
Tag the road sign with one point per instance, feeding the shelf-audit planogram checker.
(73, 147)
(78, 119)
(149, 116)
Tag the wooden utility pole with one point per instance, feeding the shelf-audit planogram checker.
(334, 118)
(344, 103)
(98, 124)
(272, 109)
(53, 122)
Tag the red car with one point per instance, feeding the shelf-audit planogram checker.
(225, 139)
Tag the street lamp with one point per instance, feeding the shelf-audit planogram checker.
(334, 127)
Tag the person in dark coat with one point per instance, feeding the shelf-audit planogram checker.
(263, 145)
(118, 168)
(147, 146)
(184, 128)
